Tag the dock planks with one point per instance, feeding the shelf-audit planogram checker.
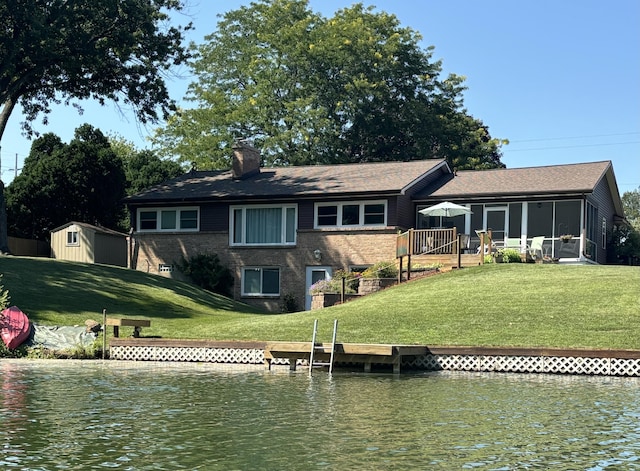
(366, 354)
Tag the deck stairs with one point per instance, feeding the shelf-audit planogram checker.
(321, 349)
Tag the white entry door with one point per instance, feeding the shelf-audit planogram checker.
(315, 274)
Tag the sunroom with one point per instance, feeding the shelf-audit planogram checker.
(570, 208)
(570, 227)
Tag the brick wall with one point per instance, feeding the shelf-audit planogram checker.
(340, 249)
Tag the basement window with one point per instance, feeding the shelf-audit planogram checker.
(260, 281)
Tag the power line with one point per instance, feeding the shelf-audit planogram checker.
(572, 147)
(576, 137)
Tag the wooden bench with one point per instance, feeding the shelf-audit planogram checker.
(135, 323)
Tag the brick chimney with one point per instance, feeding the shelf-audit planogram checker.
(246, 160)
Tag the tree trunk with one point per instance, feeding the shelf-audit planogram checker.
(4, 238)
(7, 108)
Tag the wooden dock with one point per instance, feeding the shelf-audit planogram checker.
(354, 353)
(575, 361)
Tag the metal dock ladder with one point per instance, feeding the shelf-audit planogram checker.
(320, 347)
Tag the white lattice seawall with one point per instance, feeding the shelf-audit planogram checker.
(198, 354)
(529, 364)
(585, 362)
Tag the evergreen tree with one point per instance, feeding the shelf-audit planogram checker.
(81, 181)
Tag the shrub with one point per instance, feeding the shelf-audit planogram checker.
(419, 267)
(206, 271)
(321, 286)
(4, 296)
(352, 280)
(334, 285)
(289, 304)
(510, 256)
(381, 270)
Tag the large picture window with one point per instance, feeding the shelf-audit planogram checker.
(263, 225)
(260, 281)
(351, 214)
(168, 219)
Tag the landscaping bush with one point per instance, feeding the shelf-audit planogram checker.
(4, 296)
(206, 271)
(381, 270)
(510, 256)
(289, 304)
(324, 286)
(351, 280)
(334, 285)
(417, 267)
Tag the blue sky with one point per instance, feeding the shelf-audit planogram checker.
(559, 79)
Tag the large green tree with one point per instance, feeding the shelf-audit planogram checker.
(54, 51)
(631, 205)
(82, 181)
(625, 237)
(308, 89)
(143, 168)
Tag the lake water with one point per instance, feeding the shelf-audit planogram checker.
(95, 415)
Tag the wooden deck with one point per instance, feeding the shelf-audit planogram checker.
(365, 354)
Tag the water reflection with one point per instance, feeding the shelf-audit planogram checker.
(148, 416)
(13, 412)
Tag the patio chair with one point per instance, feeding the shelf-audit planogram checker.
(429, 245)
(465, 239)
(487, 250)
(513, 243)
(536, 249)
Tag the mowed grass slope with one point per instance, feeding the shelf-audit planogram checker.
(495, 305)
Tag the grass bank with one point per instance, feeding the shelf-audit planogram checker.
(494, 305)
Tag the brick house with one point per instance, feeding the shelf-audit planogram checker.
(281, 229)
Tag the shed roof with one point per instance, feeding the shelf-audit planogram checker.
(298, 181)
(91, 227)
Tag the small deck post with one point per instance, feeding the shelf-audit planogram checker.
(104, 333)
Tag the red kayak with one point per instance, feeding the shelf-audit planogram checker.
(14, 327)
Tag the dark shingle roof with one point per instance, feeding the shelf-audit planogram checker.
(553, 179)
(301, 181)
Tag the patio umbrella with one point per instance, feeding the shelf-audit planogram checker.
(445, 209)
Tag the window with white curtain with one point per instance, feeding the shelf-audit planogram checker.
(263, 225)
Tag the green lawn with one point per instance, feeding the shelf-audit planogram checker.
(494, 305)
